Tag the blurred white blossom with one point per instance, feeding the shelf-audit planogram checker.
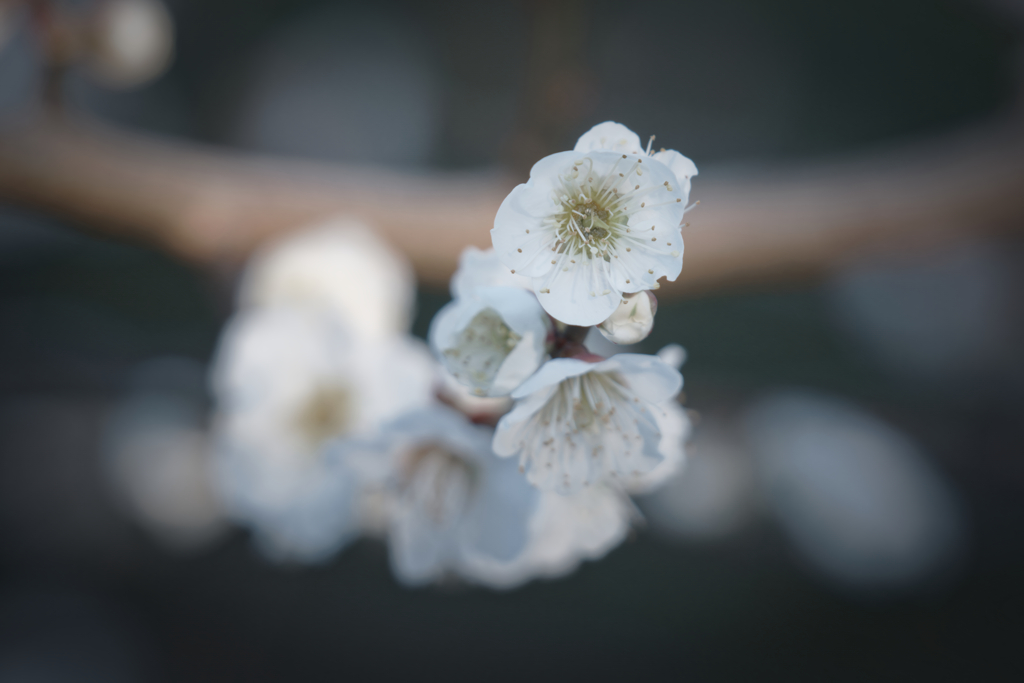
(456, 510)
(857, 498)
(564, 531)
(455, 501)
(576, 423)
(596, 222)
(131, 42)
(714, 495)
(287, 382)
(492, 339)
(156, 457)
(340, 265)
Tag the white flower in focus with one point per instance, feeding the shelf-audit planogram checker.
(339, 265)
(456, 504)
(632, 320)
(287, 383)
(483, 268)
(676, 428)
(492, 339)
(576, 424)
(594, 223)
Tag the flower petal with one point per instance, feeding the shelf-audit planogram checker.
(681, 166)
(482, 268)
(578, 293)
(612, 136)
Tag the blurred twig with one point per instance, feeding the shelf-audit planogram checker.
(209, 205)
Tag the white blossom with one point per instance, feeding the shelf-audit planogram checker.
(340, 265)
(564, 531)
(576, 423)
(130, 42)
(454, 501)
(858, 498)
(483, 268)
(287, 383)
(596, 222)
(156, 458)
(632, 320)
(492, 339)
(454, 509)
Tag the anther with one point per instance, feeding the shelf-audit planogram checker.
(642, 205)
(654, 239)
(637, 187)
(628, 249)
(513, 272)
(552, 262)
(520, 251)
(650, 271)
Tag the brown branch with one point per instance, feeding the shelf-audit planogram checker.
(208, 205)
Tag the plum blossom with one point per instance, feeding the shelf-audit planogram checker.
(564, 530)
(156, 459)
(483, 268)
(596, 222)
(632, 320)
(453, 509)
(576, 423)
(288, 382)
(453, 500)
(338, 265)
(130, 42)
(492, 339)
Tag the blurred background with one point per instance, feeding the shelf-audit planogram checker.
(852, 507)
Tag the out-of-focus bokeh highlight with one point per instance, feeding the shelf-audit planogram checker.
(850, 504)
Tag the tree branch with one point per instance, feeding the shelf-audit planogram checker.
(209, 205)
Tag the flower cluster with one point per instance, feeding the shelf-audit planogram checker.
(513, 455)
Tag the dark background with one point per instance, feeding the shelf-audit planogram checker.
(87, 595)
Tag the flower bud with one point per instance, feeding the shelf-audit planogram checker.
(492, 340)
(632, 321)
